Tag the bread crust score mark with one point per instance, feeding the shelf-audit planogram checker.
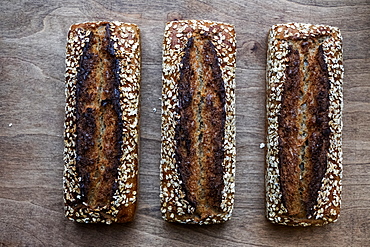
(198, 122)
(304, 124)
(101, 123)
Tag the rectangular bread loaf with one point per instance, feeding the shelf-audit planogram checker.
(198, 122)
(304, 124)
(101, 122)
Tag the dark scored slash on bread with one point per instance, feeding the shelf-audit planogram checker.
(101, 124)
(198, 125)
(304, 109)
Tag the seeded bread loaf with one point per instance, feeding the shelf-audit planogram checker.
(304, 124)
(198, 122)
(102, 122)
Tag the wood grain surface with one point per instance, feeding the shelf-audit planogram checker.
(32, 57)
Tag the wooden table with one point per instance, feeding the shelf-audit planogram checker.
(32, 53)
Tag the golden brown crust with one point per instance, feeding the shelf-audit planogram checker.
(198, 122)
(304, 107)
(200, 129)
(101, 124)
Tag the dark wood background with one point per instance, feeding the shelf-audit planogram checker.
(32, 52)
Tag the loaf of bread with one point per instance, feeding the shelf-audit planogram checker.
(102, 122)
(198, 122)
(304, 124)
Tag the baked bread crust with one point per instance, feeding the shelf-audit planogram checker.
(304, 124)
(198, 101)
(102, 122)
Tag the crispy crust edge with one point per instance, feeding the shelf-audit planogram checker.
(327, 208)
(127, 48)
(174, 207)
